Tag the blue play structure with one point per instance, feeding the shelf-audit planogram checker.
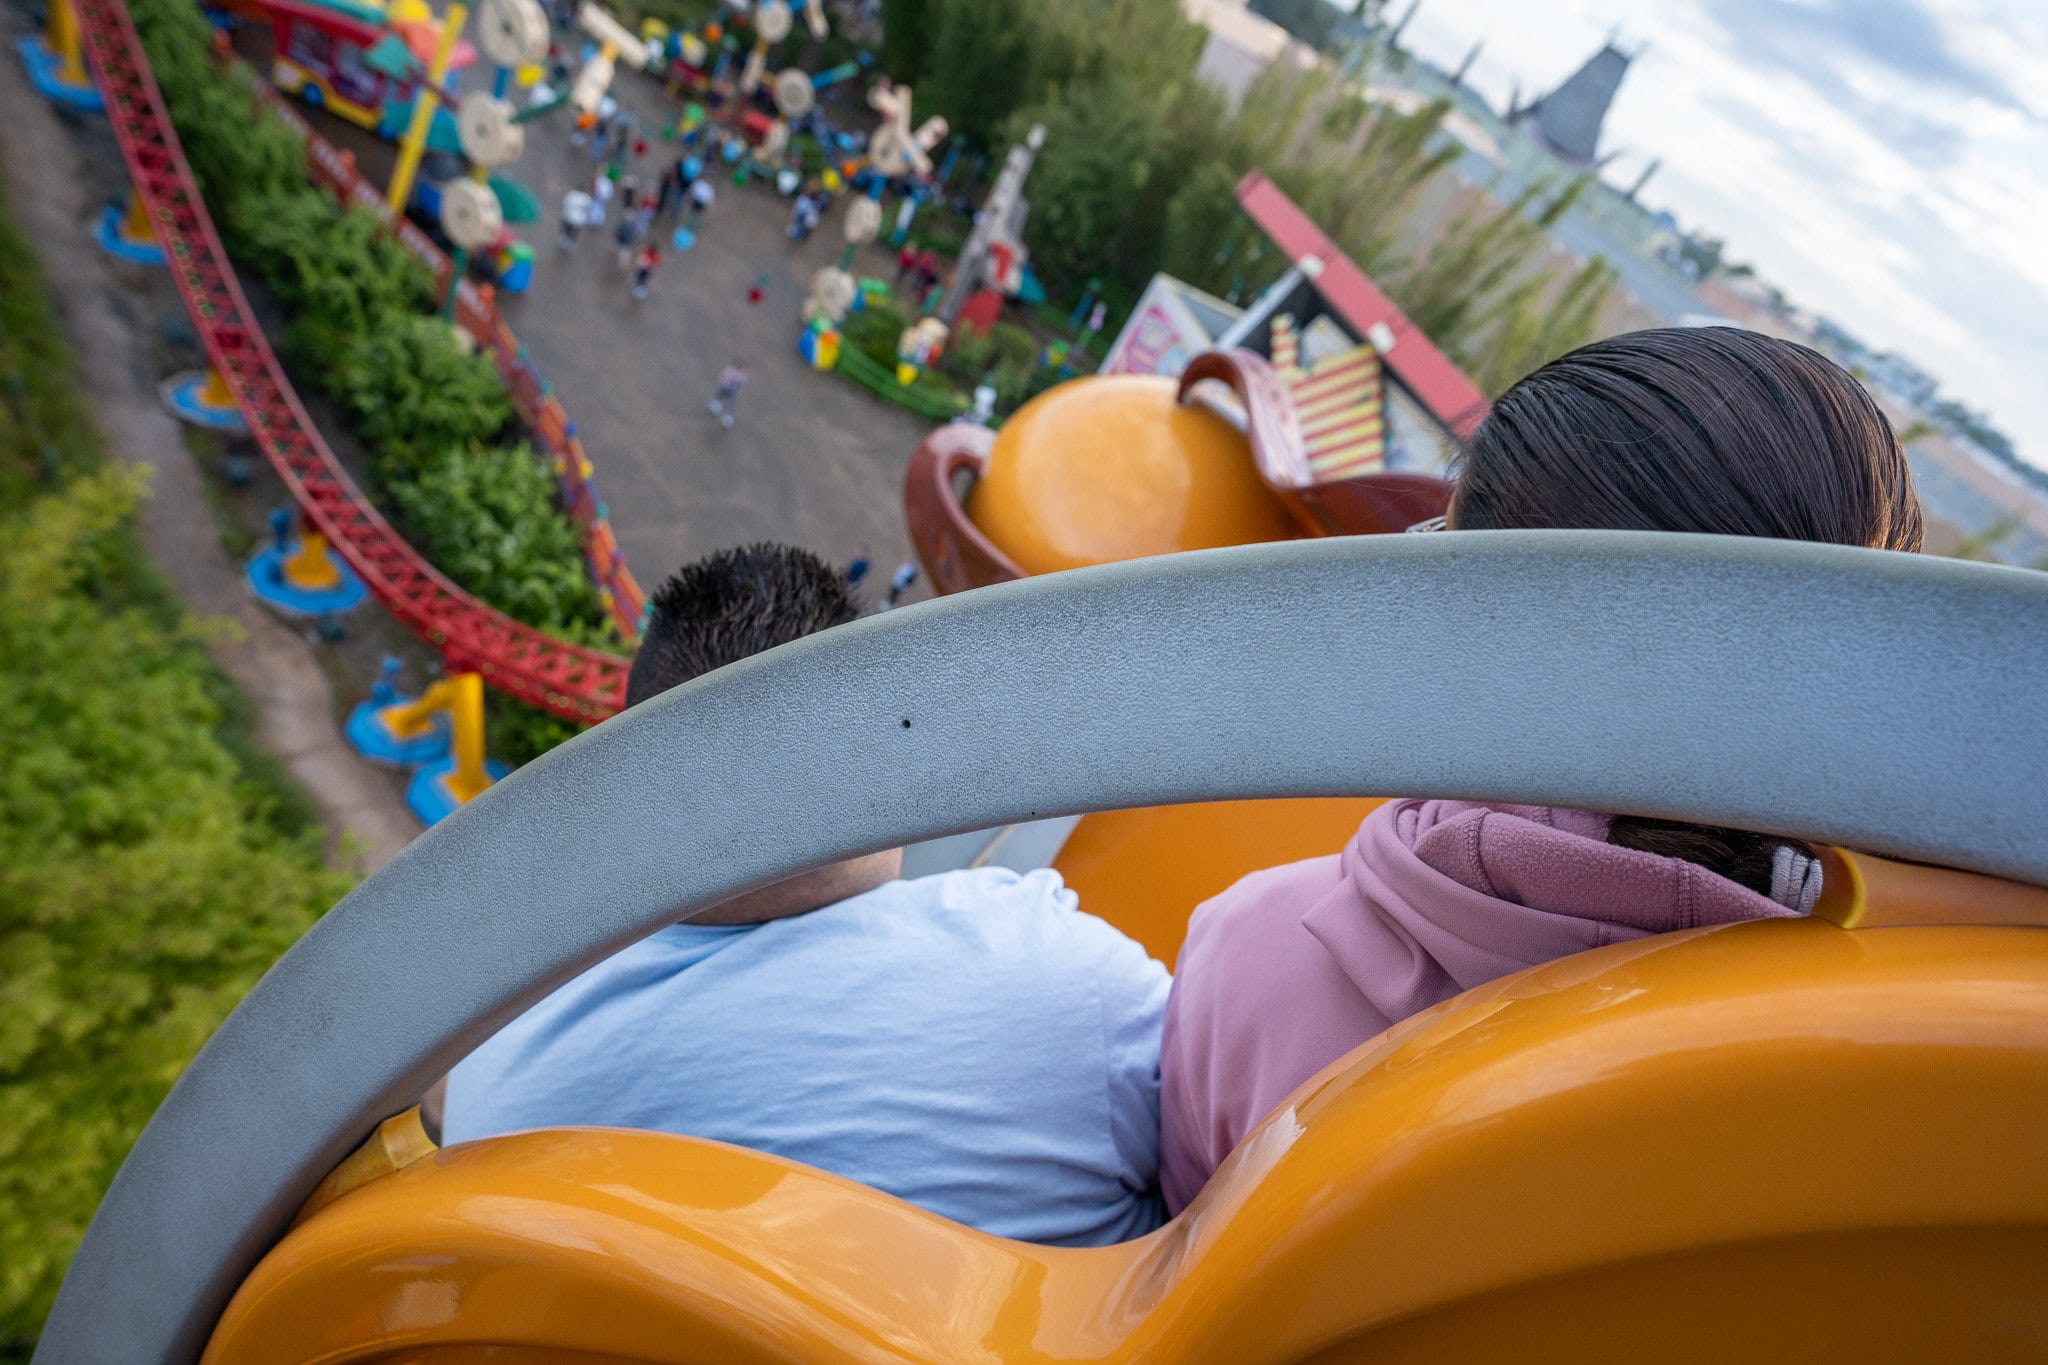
(369, 730)
(46, 72)
(109, 234)
(203, 400)
(287, 575)
(428, 793)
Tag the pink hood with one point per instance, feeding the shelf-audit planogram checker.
(1293, 967)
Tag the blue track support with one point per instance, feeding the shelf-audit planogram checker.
(427, 794)
(44, 67)
(107, 234)
(267, 581)
(368, 734)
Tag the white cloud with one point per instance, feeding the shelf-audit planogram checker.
(1893, 175)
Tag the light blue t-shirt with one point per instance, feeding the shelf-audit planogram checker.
(971, 1042)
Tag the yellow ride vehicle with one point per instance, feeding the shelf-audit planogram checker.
(1817, 1138)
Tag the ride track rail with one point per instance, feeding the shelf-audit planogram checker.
(574, 682)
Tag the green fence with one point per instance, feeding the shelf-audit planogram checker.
(864, 371)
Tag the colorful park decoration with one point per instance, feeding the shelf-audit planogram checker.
(367, 61)
(439, 734)
(425, 105)
(302, 576)
(992, 261)
(819, 344)
(895, 151)
(127, 234)
(392, 728)
(202, 398)
(918, 346)
(1336, 400)
(56, 63)
(614, 41)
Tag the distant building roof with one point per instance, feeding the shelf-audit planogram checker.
(1568, 119)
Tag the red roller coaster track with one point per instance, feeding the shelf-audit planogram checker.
(576, 683)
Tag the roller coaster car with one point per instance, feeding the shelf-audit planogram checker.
(1123, 466)
(1103, 469)
(1816, 1139)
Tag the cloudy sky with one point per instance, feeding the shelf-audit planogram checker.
(1885, 162)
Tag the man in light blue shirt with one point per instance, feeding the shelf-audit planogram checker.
(971, 1042)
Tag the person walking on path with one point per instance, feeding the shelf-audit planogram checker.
(803, 219)
(899, 583)
(857, 567)
(702, 197)
(626, 235)
(731, 380)
(576, 206)
(643, 268)
(906, 264)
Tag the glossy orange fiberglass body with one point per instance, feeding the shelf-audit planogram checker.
(1118, 467)
(1785, 1139)
(1115, 468)
(1145, 869)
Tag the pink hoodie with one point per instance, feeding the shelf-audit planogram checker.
(1295, 966)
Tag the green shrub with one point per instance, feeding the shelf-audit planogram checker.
(415, 393)
(968, 355)
(143, 883)
(942, 242)
(1015, 345)
(334, 270)
(518, 733)
(874, 331)
(151, 864)
(486, 518)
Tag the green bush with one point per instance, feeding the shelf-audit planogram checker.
(874, 331)
(940, 241)
(1014, 345)
(143, 883)
(415, 393)
(520, 733)
(485, 517)
(150, 867)
(968, 355)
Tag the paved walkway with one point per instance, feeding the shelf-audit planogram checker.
(813, 460)
(51, 196)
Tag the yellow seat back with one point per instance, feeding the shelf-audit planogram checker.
(1770, 1139)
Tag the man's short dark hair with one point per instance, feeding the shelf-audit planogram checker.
(731, 604)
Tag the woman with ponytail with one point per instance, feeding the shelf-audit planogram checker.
(1709, 430)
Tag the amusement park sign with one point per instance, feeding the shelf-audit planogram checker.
(1163, 332)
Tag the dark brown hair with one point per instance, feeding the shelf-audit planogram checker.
(731, 604)
(1707, 429)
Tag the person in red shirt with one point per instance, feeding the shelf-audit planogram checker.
(643, 268)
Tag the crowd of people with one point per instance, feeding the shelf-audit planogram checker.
(979, 1044)
(682, 194)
